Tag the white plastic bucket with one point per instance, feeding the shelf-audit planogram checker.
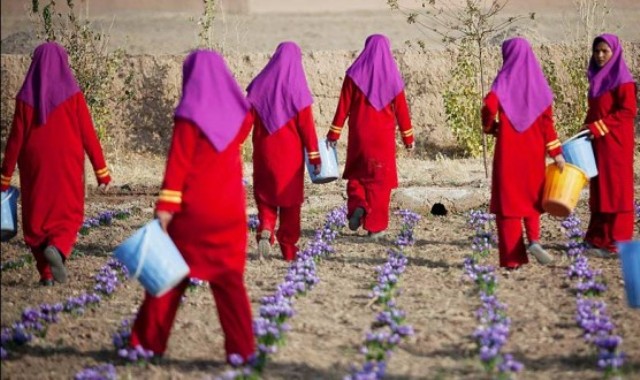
(152, 258)
(9, 214)
(329, 166)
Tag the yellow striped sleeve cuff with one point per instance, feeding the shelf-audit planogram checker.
(553, 144)
(101, 173)
(170, 196)
(407, 133)
(601, 127)
(335, 129)
(5, 180)
(313, 154)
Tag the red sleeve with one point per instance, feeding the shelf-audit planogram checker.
(553, 145)
(183, 143)
(14, 146)
(91, 143)
(489, 113)
(404, 120)
(626, 109)
(342, 112)
(245, 128)
(307, 131)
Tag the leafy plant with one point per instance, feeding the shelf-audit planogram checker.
(96, 68)
(467, 26)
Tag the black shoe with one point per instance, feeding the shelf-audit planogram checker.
(54, 257)
(44, 282)
(354, 221)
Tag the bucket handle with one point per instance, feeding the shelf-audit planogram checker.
(143, 255)
(10, 194)
(578, 135)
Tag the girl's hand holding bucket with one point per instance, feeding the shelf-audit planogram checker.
(559, 159)
(164, 217)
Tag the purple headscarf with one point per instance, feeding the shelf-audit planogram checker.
(49, 81)
(375, 72)
(211, 98)
(520, 85)
(280, 91)
(613, 73)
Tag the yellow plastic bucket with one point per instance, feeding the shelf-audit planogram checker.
(562, 190)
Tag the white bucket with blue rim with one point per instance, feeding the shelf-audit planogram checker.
(630, 262)
(151, 257)
(578, 151)
(9, 213)
(329, 164)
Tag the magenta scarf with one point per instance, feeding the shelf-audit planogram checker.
(375, 72)
(211, 98)
(49, 81)
(520, 85)
(280, 91)
(612, 74)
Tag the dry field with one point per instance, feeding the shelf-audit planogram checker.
(331, 320)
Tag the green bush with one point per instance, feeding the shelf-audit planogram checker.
(95, 67)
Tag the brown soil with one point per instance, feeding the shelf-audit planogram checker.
(331, 320)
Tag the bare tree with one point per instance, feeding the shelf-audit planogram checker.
(466, 24)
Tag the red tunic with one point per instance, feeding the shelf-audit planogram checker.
(278, 159)
(371, 148)
(51, 162)
(518, 174)
(204, 188)
(610, 119)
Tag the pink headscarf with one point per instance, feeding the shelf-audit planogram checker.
(520, 85)
(376, 73)
(211, 98)
(613, 73)
(49, 81)
(280, 91)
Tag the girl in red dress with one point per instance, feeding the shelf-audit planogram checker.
(284, 128)
(518, 113)
(610, 119)
(373, 99)
(51, 132)
(202, 204)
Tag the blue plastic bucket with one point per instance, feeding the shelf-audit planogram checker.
(9, 214)
(152, 258)
(578, 151)
(329, 166)
(630, 261)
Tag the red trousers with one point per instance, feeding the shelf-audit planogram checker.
(64, 245)
(374, 198)
(156, 316)
(513, 252)
(605, 229)
(288, 231)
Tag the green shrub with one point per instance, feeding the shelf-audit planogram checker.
(95, 67)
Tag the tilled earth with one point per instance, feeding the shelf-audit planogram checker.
(331, 320)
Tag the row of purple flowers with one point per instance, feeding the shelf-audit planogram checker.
(389, 327)
(271, 326)
(591, 313)
(493, 331)
(35, 320)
